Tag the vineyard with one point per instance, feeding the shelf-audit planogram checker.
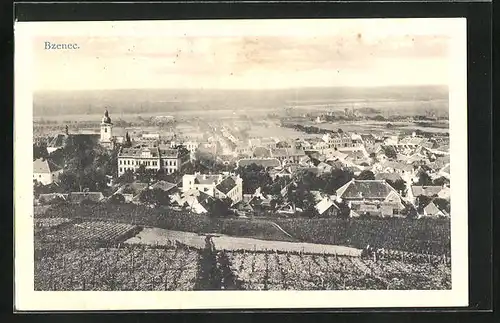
(287, 271)
(103, 255)
(128, 268)
(89, 232)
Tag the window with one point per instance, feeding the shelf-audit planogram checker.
(121, 169)
(105, 129)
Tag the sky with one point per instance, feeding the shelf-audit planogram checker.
(358, 54)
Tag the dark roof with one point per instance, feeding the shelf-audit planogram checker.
(205, 200)
(226, 185)
(370, 189)
(264, 162)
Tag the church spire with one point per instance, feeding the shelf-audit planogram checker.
(106, 118)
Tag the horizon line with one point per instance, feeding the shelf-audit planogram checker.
(251, 89)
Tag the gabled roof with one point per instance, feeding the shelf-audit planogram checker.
(226, 185)
(366, 189)
(434, 208)
(426, 190)
(324, 205)
(164, 185)
(44, 166)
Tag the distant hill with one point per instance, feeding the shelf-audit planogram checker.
(171, 100)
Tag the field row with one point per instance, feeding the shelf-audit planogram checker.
(280, 271)
(98, 231)
(127, 269)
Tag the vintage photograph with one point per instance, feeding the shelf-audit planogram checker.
(232, 160)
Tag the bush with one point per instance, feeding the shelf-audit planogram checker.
(117, 199)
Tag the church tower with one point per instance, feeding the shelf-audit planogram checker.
(106, 131)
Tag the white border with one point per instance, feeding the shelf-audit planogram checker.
(26, 299)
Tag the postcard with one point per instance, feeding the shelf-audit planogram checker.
(240, 164)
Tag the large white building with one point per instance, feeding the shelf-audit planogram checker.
(219, 186)
(152, 157)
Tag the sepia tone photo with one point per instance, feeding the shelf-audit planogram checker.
(245, 160)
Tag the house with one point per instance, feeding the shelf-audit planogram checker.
(338, 140)
(368, 139)
(165, 186)
(435, 210)
(327, 207)
(371, 197)
(219, 186)
(131, 191)
(45, 171)
(430, 191)
(357, 157)
(195, 201)
(231, 187)
(280, 173)
(48, 198)
(262, 204)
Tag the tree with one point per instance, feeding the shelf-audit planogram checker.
(40, 151)
(254, 176)
(219, 208)
(389, 125)
(409, 211)
(440, 181)
(154, 196)
(340, 131)
(424, 179)
(399, 185)
(390, 152)
(422, 202)
(126, 177)
(344, 210)
(335, 179)
(366, 175)
(117, 199)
